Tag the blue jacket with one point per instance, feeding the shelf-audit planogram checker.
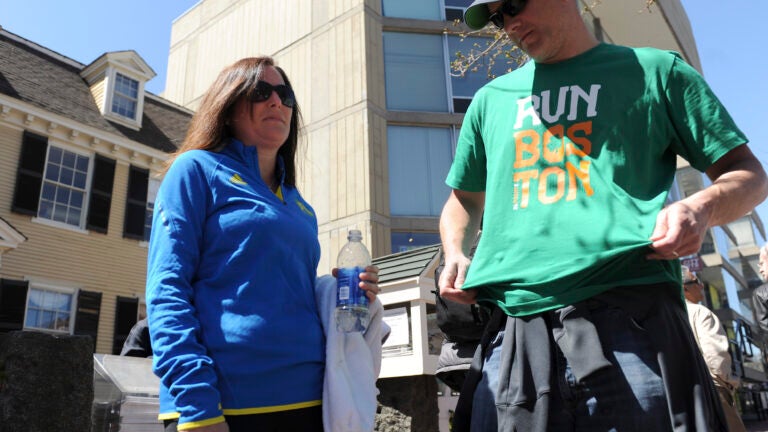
(230, 291)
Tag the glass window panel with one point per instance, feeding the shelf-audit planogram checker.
(404, 241)
(32, 316)
(62, 196)
(62, 321)
(420, 157)
(454, 9)
(36, 299)
(66, 176)
(49, 191)
(76, 199)
(46, 210)
(74, 216)
(415, 72)
(417, 9)
(54, 155)
(79, 181)
(69, 159)
(52, 173)
(452, 14)
(60, 213)
(82, 164)
(482, 71)
(46, 319)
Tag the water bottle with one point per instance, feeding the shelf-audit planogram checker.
(351, 303)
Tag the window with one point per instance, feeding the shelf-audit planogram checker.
(64, 187)
(415, 74)
(415, 9)
(405, 241)
(52, 184)
(454, 9)
(49, 309)
(126, 96)
(425, 9)
(419, 159)
(417, 67)
(463, 88)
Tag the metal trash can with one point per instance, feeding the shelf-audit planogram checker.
(125, 395)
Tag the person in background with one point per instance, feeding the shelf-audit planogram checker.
(713, 344)
(569, 160)
(760, 294)
(138, 344)
(236, 333)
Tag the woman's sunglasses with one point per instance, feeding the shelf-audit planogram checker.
(509, 8)
(263, 90)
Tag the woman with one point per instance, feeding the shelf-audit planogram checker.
(237, 338)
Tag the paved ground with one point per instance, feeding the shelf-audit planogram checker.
(757, 426)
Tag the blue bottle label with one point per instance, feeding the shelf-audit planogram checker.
(348, 283)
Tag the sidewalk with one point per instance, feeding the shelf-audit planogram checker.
(757, 426)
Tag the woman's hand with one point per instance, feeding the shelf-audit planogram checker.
(369, 281)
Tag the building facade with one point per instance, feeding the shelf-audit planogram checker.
(80, 147)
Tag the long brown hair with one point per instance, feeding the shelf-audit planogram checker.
(208, 129)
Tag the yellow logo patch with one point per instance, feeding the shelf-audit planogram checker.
(304, 208)
(236, 179)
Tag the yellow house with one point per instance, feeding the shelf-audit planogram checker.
(79, 147)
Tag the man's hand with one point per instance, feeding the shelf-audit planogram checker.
(680, 230)
(452, 279)
(739, 184)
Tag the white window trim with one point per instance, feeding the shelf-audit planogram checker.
(48, 285)
(87, 199)
(111, 79)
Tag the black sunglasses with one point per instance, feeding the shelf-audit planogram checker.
(263, 90)
(509, 8)
(693, 281)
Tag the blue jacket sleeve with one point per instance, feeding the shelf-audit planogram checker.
(180, 358)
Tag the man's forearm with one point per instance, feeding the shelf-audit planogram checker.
(738, 187)
(460, 221)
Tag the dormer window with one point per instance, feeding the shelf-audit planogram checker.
(126, 97)
(116, 80)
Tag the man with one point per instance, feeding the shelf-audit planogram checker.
(760, 295)
(713, 344)
(568, 159)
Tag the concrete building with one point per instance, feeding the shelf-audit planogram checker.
(79, 147)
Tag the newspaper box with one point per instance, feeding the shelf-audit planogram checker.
(125, 395)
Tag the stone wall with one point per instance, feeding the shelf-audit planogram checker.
(46, 382)
(407, 404)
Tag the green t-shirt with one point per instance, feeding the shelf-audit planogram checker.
(576, 160)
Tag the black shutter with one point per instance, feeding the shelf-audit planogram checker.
(101, 194)
(29, 174)
(13, 303)
(136, 204)
(87, 317)
(126, 315)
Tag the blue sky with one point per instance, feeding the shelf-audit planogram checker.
(728, 36)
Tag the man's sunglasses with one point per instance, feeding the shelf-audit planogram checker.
(509, 8)
(263, 90)
(693, 281)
